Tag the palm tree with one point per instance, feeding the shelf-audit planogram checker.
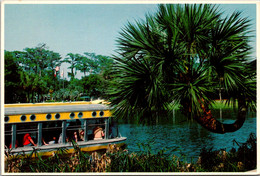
(178, 57)
(83, 64)
(72, 59)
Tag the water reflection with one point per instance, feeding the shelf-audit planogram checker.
(185, 136)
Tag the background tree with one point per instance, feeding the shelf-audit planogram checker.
(83, 64)
(72, 59)
(97, 80)
(92, 60)
(178, 57)
(12, 78)
(76, 89)
(36, 71)
(93, 85)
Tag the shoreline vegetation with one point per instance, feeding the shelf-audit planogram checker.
(116, 159)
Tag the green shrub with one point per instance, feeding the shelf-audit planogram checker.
(236, 160)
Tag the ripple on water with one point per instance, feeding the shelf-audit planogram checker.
(188, 138)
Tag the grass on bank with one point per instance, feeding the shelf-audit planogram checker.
(119, 160)
(222, 104)
(218, 104)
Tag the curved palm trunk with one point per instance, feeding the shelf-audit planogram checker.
(210, 123)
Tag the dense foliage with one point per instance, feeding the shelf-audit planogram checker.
(30, 76)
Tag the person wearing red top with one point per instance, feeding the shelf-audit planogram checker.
(27, 140)
(16, 144)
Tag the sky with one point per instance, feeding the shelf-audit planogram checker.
(79, 28)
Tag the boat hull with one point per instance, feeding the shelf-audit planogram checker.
(88, 146)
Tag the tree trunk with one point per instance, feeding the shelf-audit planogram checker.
(32, 96)
(210, 123)
(28, 97)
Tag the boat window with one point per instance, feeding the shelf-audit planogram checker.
(73, 130)
(26, 128)
(51, 131)
(8, 135)
(113, 128)
(93, 124)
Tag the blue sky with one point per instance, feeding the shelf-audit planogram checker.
(79, 28)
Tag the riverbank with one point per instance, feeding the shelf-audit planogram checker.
(120, 160)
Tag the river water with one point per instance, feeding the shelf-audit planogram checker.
(184, 138)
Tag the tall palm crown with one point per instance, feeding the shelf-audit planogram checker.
(181, 56)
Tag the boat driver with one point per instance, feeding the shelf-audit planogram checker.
(98, 133)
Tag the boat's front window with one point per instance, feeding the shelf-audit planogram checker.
(96, 129)
(113, 129)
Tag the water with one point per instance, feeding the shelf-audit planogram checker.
(184, 138)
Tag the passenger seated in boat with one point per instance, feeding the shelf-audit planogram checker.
(60, 139)
(75, 136)
(81, 134)
(28, 141)
(16, 144)
(98, 133)
(43, 141)
(53, 141)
